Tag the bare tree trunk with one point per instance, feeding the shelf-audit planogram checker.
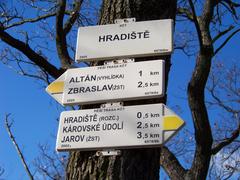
(133, 164)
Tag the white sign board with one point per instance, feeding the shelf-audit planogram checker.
(117, 127)
(136, 39)
(111, 82)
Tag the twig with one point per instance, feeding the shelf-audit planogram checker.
(1, 171)
(221, 145)
(8, 127)
(196, 22)
(226, 41)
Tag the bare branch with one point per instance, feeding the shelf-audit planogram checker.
(61, 41)
(1, 171)
(31, 54)
(50, 164)
(220, 103)
(46, 8)
(230, 6)
(226, 41)
(31, 20)
(221, 145)
(73, 16)
(8, 128)
(21, 64)
(185, 12)
(223, 87)
(222, 33)
(195, 20)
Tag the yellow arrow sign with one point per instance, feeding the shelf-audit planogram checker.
(140, 125)
(172, 122)
(56, 87)
(100, 84)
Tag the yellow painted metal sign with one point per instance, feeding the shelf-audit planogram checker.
(112, 82)
(117, 127)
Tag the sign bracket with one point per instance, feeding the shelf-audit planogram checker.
(119, 61)
(111, 104)
(125, 20)
(113, 152)
(110, 152)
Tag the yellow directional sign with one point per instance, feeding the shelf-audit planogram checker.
(110, 82)
(55, 89)
(171, 123)
(117, 127)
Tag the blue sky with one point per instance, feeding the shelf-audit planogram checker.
(35, 120)
(35, 113)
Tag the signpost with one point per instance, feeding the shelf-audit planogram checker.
(117, 127)
(111, 82)
(136, 39)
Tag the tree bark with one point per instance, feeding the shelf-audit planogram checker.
(132, 164)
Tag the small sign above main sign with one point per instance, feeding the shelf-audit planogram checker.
(136, 39)
(117, 127)
(110, 82)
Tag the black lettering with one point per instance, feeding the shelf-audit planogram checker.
(81, 90)
(87, 89)
(110, 87)
(75, 90)
(81, 137)
(123, 36)
(94, 88)
(100, 38)
(104, 88)
(70, 91)
(139, 34)
(73, 138)
(133, 35)
(109, 37)
(146, 34)
(116, 37)
(87, 78)
(68, 120)
(71, 80)
(64, 129)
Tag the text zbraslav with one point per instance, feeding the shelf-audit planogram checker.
(109, 87)
(124, 36)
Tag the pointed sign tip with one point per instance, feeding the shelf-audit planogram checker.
(55, 87)
(172, 123)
